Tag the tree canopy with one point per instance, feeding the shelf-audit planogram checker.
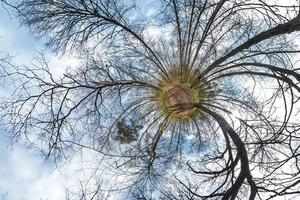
(176, 99)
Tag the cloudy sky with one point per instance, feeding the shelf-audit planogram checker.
(24, 173)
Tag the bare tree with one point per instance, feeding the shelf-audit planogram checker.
(206, 109)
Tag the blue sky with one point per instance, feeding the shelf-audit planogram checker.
(24, 173)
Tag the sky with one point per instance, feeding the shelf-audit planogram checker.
(24, 173)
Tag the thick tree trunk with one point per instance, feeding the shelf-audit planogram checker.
(288, 27)
(241, 150)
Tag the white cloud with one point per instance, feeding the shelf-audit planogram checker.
(25, 176)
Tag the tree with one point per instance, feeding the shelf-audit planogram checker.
(212, 97)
